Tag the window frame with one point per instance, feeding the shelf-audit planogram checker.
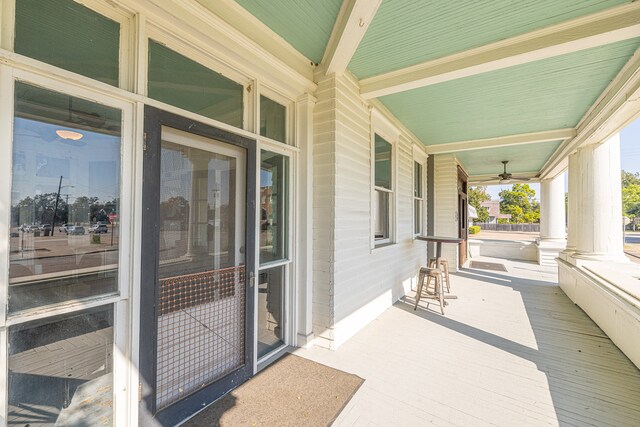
(420, 158)
(129, 244)
(287, 263)
(119, 14)
(287, 103)
(383, 127)
(153, 32)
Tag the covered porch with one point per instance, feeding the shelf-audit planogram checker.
(512, 350)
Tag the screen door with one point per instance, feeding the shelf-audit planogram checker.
(196, 214)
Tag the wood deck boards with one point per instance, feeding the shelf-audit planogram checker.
(511, 350)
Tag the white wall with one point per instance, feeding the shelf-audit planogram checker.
(323, 212)
(362, 282)
(446, 204)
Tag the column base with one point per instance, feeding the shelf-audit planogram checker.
(605, 257)
(549, 249)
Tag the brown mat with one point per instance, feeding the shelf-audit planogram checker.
(488, 266)
(293, 391)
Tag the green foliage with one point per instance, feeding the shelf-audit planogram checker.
(475, 197)
(520, 203)
(474, 229)
(629, 178)
(631, 195)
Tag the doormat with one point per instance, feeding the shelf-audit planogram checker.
(293, 391)
(488, 266)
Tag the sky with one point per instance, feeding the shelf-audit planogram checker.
(629, 157)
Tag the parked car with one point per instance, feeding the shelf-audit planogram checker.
(45, 227)
(63, 227)
(31, 228)
(75, 229)
(98, 228)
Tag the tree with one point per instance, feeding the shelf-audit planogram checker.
(475, 197)
(520, 203)
(631, 195)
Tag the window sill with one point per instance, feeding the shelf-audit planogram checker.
(383, 245)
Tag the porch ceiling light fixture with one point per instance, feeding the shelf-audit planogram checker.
(69, 134)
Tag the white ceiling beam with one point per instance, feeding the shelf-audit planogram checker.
(608, 26)
(502, 141)
(617, 106)
(349, 29)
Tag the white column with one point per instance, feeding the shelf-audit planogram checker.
(304, 220)
(552, 220)
(552, 211)
(572, 214)
(599, 213)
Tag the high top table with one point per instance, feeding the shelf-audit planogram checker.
(439, 240)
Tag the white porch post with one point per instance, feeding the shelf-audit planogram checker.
(304, 137)
(552, 220)
(572, 214)
(599, 213)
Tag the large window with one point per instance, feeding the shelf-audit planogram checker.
(65, 199)
(182, 82)
(70, 36)
(63, 256)
(383, 190)
(418, 198)
(274, 236)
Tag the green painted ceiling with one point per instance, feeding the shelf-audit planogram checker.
(549, 94)
(522, 158)
(408, 32)
(305, 24)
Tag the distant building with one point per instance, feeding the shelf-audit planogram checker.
(494, 211)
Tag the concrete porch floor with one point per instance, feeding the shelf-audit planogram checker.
(513, 350)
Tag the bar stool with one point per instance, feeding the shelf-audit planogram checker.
(426, 273)
(444, 265)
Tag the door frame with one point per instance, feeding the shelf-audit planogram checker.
(463, 220)
(154, 120)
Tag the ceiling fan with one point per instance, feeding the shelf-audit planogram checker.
(506, 177)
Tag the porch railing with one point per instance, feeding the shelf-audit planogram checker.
(533, 228)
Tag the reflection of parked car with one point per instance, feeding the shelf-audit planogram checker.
(64, 227)
(75, 229)
(45, 227)
(98, 228)
(31, 228)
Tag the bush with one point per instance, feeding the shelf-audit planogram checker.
(95, 239)
(474, 229)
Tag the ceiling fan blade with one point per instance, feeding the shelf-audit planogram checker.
(520, 178)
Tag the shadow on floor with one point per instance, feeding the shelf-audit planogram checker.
(588, 376)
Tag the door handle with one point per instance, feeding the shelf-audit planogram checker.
(252, 279)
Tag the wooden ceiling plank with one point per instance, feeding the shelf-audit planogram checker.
(605, 27)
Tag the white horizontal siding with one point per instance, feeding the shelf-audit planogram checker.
(324, 161)
(367, 281)
(446, 204)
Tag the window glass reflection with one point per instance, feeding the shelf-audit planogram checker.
(65, 199)
(274, 200)
(179, 81)
(60, 370)
(272, 119)
(70, 36)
